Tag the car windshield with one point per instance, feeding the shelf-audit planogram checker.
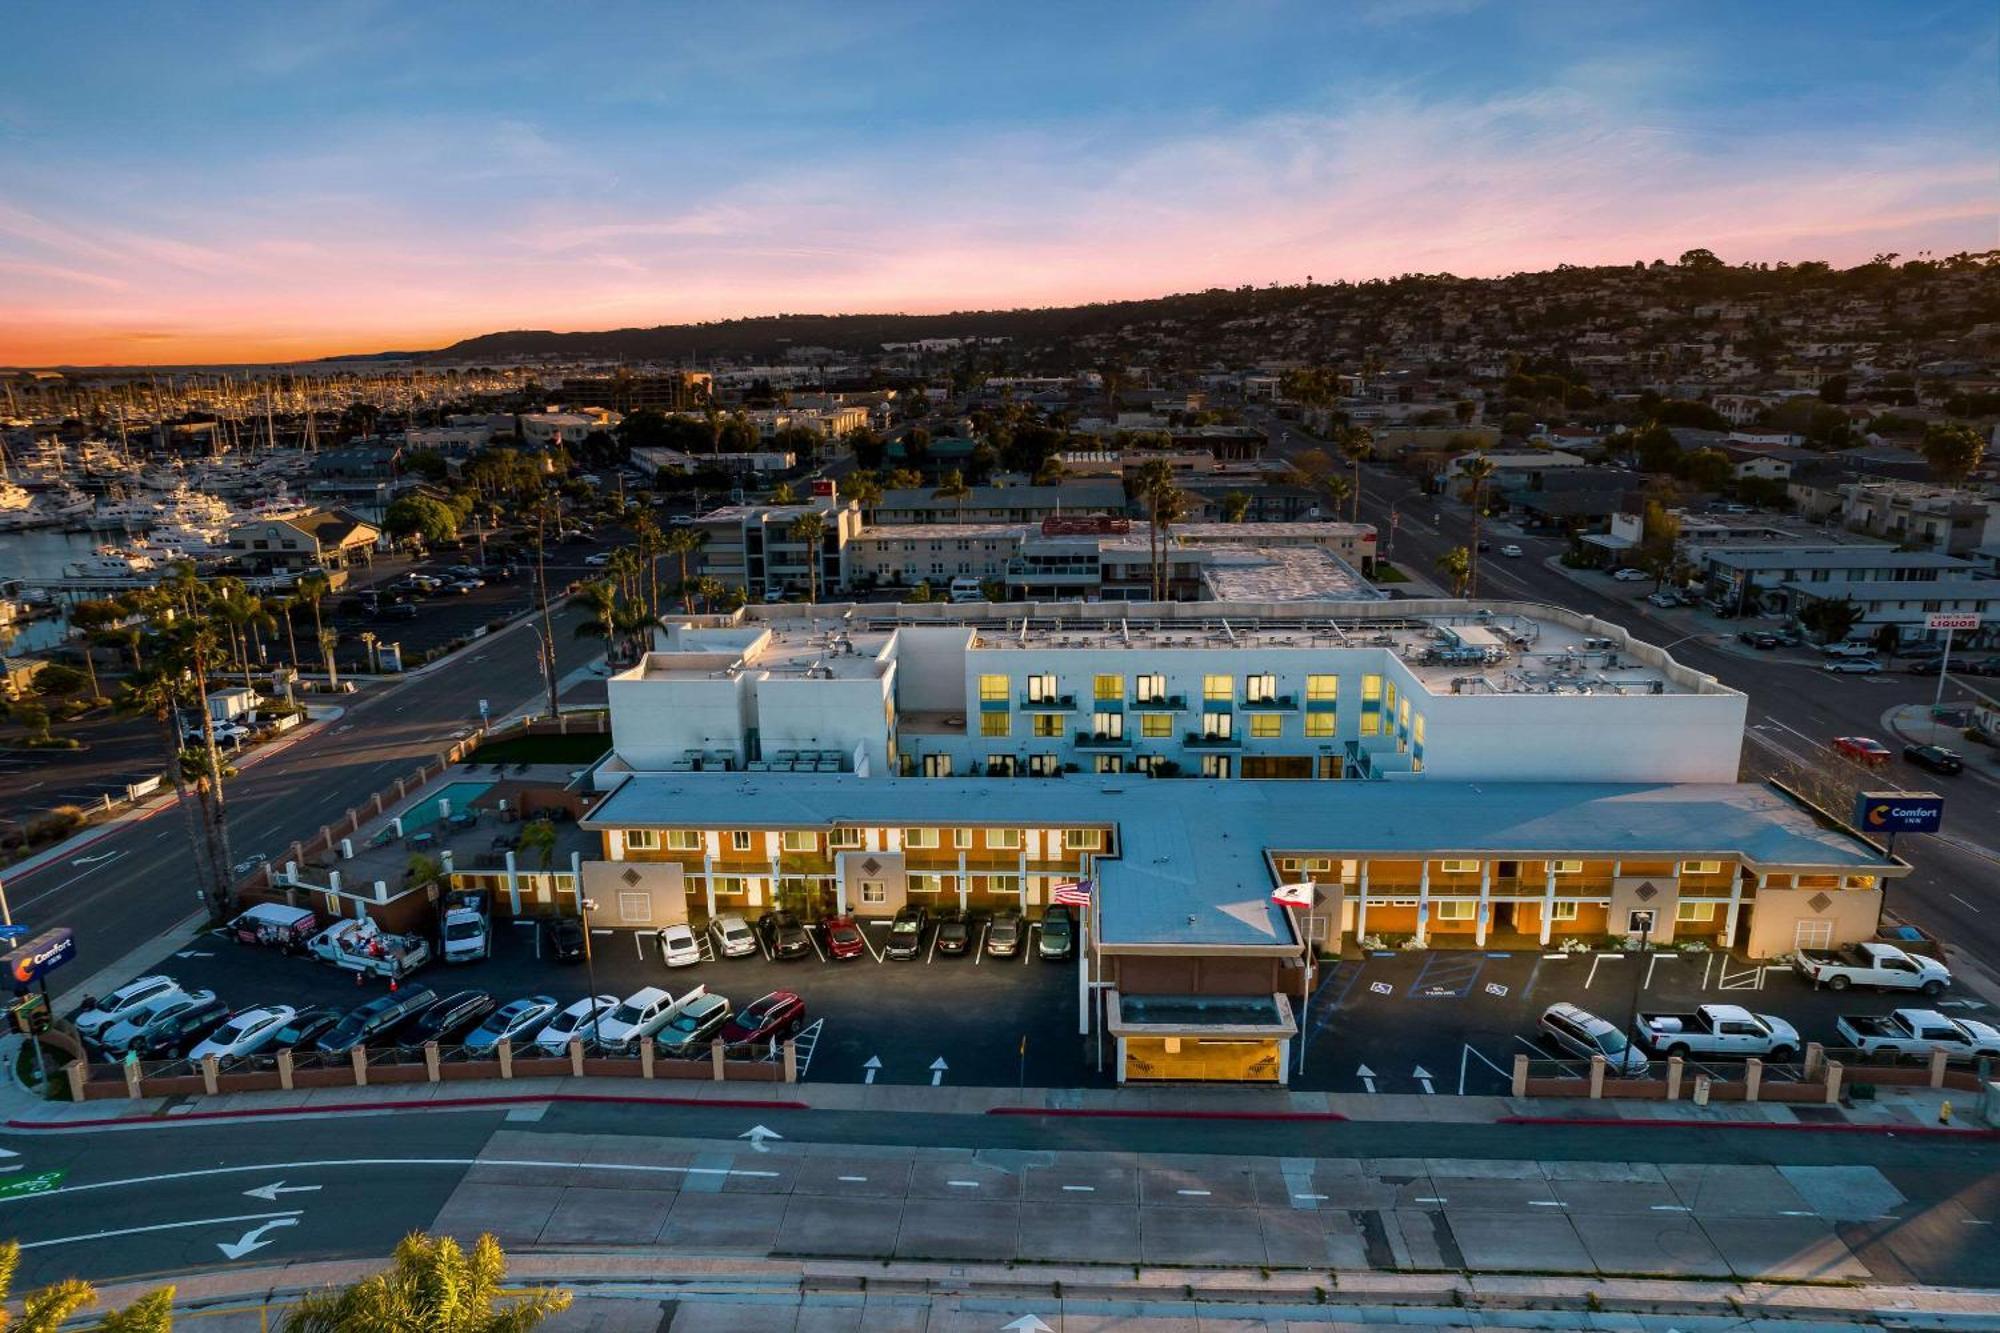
(904, 925)
(736, 932)
(627, 1013)
(1611, 1041)
(462, 930)
(236, 1029)
(565, 1021)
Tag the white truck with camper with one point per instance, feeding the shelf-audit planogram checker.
(1918, 1032)
(362, 946)
(1882, 966)
(1719, 1029)
(468, 926)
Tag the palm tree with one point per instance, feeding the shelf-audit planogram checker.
(810, 529)
(600, 598)
(539, 836)
(783, 494)
(1456, 565)
(865, 491)
(682, 543)
(1476, 471)
(433, 1285)
(312, 590)
(952, 487)
(1356, 446)
(44, 1310)
(1154, 477)
(1338, 489)
(709, 591)
(94, 619)
(283, 606)
(1234, 506)
(650, 544)
(1169, 507)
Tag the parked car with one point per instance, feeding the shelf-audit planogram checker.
(1872, 964)
(362, 946)
(1918, 1032)
(769, 1018)
(276, 926)
(464, 587)
(696, 1017)
(906, 932)
(1863, 749)
(371, 1020)
(1003, 937)
(1984, 666)
(1510, 549)
(1847, 648)
(304, 1029)
(1759, 639)
(843, 937)
(637, 1017)
(447, 1020)
(1936, 758)
(245, 1033)
(731, 937)
(468, 926)
(578, 1020)
(954, 931)
(1720, 1029)
(677, 945)
(1629, 575)
(398, 611)
(514, 1021)
(1663, 599)
(1580, 1033)
(159, 1029)
(1853, 666)
(597, 558)
(99, 1015)
(1058, 939)
(784, 935)
(566, 939)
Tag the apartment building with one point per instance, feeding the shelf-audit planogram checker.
(751, 547)
(1759, 577)
(1933, 518)
(548, 428)
(1001, 504)
(669, 391)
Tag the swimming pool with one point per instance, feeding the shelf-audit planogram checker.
(461, 795)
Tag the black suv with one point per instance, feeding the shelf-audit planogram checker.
(906, 932)
(373, 1019)
(447, 1020)
(176, 1033)
(566, 939)
(784, 935)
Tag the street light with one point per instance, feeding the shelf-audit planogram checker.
(584, 907)
(1389, 547)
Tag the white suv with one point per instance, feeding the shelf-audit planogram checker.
(1583, 1034)
(642, 1013)
(129, 1001)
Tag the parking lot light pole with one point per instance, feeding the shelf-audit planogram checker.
(583, 906)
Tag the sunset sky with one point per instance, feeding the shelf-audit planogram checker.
(224, 183)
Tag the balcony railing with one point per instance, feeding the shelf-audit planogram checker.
(1098, 740)
(1196, 740)
(1048, 703)
(1272, 703)
(1168, 703)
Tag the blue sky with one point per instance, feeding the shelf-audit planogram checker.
(187, 183)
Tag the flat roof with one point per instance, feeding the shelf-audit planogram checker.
(1901, 590)
(1191, 867)
(1846, 557)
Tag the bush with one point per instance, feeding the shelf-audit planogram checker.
(51, 743)
(55, 825)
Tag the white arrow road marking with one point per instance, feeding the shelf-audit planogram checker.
(193, 953)
(1367, 1076)
(267, 1167)
(873, 1066)
(1424, 1076)
(92, 860)
(254, 1238)
(1027, 1323)
(938, 1067)
(269, 1193)
(158, 1226)
(757, 1134)
(8, 1152)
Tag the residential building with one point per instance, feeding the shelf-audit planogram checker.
(1907, 605)
(653, 461)
(1001, 504)
(570, 428)
(1935, 518)
(751, 547)
(454, 440)
(322, 538)
(1761, 578)
(668, 391)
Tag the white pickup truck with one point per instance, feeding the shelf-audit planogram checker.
(1870, 964)
(362, 946)
(1918, 1032)
(1719, 1029)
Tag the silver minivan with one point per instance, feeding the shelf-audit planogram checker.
(1583, 1034)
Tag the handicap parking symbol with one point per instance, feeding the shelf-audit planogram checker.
(1381, 988)
(1495, 988)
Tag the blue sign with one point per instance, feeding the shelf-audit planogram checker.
(1898, 812)
(15, 932)
(40, 956)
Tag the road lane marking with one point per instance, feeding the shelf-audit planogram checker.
(1310, 1196)
(1547, 1203)
(1955, 898)
(1080, 1189)
(854, 1180)
(1196, 1194)
(1671, 1208)
(332, 1162)
(160, 1226)
(1429, 1199)
(963, 1184)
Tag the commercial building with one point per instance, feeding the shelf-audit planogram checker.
(323, 538)
(1907, 606)
(669, 391)
(751, 547)
(1763, 578)
(547, 428)
(1001, 504)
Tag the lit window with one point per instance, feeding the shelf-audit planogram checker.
(1417, 729)
(1267, 725)
(1403, 713)
(1320, 724)
(1458, 867)
(1323, 688)
(1701, 867)
(1218, 687)
(1695, 912)
(1260, 689)
(1389, 696)
(1562, 911)
(1041, 689)
(1150, 688)
(1083, 839)
(1568, 867)
(683, 840)
(1003, 839)
(996, 724)
(1453, 910)
(993, 687)
(1156, 726)
(1371, 724)
(1110, 726)
(727, 884)
(796, 841)
(1215, 726)
(961, 838)
(1048, 724)
(1371, 689)
(1108, 687)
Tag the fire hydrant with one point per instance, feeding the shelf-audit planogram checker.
(1944, 1113)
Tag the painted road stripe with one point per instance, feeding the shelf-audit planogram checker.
(855, 1180)
(1310, 1196)
(963, 1184)
(394, 1161)
(1432, 1199)
(1671, 1208)
(1547, 1203)
(1198, 1194)
(1081, 1189)
(160, 1226)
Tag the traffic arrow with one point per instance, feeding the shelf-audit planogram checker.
(873, 1066)
(193, 953)
(92, 860)
(253, 1239)
(938, 1066)
(1367, 1077)
(1424, 1076)
(272, 1191)
(8, 1152)
(1027, 1323)
(757, 1135)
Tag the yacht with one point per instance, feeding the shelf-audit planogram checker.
(123, 515)
(110, 562)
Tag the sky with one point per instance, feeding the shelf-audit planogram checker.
(254, 182)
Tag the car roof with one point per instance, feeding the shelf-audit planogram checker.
(646, 995)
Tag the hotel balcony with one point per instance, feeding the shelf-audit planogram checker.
(1170, 703)
(1053, 703)
(1090, 740)
(1195, 740)
(1277, 703)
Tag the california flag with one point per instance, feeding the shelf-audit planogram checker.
(1293, 895)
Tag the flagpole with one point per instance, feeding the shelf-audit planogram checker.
(1283, 895)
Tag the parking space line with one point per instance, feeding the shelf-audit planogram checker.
(1080, 1189)
(812, 938)
(1597, 958)
(963, 1184)
(869, 945)
(1653, 961)
(855, 1180)
(1707, 965)
(1469, 1049)
(1028, 944)
(930, 955)
(1671, 1208)
(1347, 984)
(1193, 1194)
(1430, 1198)
(639, 944)
(979, 954)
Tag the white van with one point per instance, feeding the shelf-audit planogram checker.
(965, 588)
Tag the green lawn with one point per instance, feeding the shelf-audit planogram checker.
(579, 749)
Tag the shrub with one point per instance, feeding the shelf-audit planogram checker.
(55, 825)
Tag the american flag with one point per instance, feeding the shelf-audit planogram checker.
(1071, 893)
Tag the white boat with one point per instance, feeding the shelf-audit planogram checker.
(14, 499)
(123, 515)
(111, 563)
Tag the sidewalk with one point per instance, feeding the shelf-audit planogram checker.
(1914, 725)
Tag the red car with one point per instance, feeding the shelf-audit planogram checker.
(1862, 749)
(843, 937)
(779, 1014)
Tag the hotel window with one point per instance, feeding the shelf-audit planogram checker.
(1567, 867)
(1417, 729)
(1156, 726)
(996, 724)
(1321, 724)
(739, 841)
(1043, 765)
(1701, 867)
(683, 840)
(1082, 839)
(961, 838)
(1455, 910)
(1695, 912)
(1371, 689)
(1371, 723)
(844, 837)
(797, 841)
(1288, 865)
(920, 837)
(1108, 687)
(1458, 867)
(729, 883)
(1265, 726)
(1320, 863)
(1048, 724)
(1003, 839)
(1324, 689)
(924, 884)
(1562, 911)
(642, 840)
(1403, 713)
(874, 893)
(1261, 688)
(1146, 763)
(1218, 687)
(1111, 726)
(1108, 763)
(1150, 688)
(993, 687)
(1041, 689)
(1000, 765)
(1215, 726)
(1215, 766)
(1389, 698)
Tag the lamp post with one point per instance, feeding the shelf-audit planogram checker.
(583, 909)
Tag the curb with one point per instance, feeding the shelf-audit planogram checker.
(1081, 1113)
(374, 1108)
(1612, 1122)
